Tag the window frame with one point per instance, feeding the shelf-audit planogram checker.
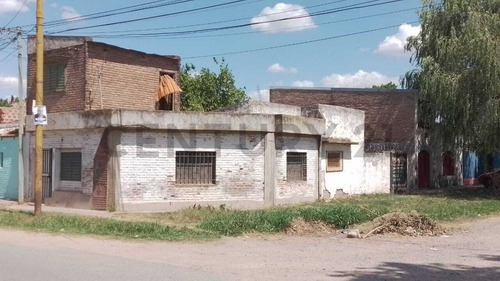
(63, 165)
(330, 169)
(192, 163)
(303, 161)
(1, 159)
(49, 86)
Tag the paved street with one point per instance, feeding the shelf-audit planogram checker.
(472, 253)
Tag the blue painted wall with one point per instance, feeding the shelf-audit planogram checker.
(9, 171)
(496, 161)
(471, 165)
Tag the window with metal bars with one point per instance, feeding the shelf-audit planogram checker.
(54, 78)
(71, 166)
(296, 166)
(194, 167)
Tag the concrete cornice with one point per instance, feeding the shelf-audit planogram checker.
(185, 121)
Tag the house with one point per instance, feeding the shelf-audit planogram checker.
(117, 140)
(9, 152)
(399, 153)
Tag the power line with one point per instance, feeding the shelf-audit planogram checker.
(320, 13)
(217, 22)
(18, 11)
(152, 17)
(297, 43)
(115, 12)
(279, 29)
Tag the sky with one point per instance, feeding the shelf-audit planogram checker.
(313, 43)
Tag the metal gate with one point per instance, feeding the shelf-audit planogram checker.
(398, 172)
(47, 173)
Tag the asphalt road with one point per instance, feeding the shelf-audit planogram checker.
(473, 253)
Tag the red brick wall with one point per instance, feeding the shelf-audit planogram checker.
(103, 76)
(389, 115)
(9, 115)
(73, 99)
(126, 79)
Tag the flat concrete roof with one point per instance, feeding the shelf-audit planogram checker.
(186, 121)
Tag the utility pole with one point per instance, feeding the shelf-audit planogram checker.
(20, 197)
(39, 102)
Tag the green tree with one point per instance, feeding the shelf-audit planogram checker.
(388, 86)
(457, 59)
(206, 90)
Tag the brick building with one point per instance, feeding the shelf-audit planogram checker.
(398, 153)
(82, 75)
(113, 142)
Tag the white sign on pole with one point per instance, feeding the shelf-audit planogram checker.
(40, 115)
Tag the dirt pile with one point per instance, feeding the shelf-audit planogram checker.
(301, 227)
(403, 224)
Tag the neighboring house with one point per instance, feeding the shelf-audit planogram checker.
(9, 143)
(399, 155)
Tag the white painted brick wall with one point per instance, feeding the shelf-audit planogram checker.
(85, 141)
(377, 172)
(148, 169)
(296, 190)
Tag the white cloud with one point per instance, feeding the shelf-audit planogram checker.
(393, 45)
(12, 6)
(261, 95)
(304, 83)
(360, 79)
(8, 83)
(278, 68)
(53, 5)
(281, 11)
(70, 14)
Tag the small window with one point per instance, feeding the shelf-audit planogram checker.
(71, 166)
(54, 78)
(335, 161)
(1, 159)
(448, 164)
(296, 166)
(194, 167)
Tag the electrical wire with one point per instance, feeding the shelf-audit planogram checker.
(321, 13)
(297, 43)
(217, 22)
(279, 29)
(15, 16)
(152, 17)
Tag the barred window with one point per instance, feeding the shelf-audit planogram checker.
(54, 78)
(71, 166)
(335, 161)
(296, 166)
(194, 167)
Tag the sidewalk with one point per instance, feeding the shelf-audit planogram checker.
(28, 207)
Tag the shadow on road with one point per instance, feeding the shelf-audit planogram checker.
(404, 271)
(460, 193)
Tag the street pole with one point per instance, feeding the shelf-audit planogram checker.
(39, 102)
(20, 196)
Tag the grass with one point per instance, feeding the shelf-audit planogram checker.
(103, 227)
(206, 223)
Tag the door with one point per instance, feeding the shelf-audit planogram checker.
(398, 172)
(424, 171)
(47, 173)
